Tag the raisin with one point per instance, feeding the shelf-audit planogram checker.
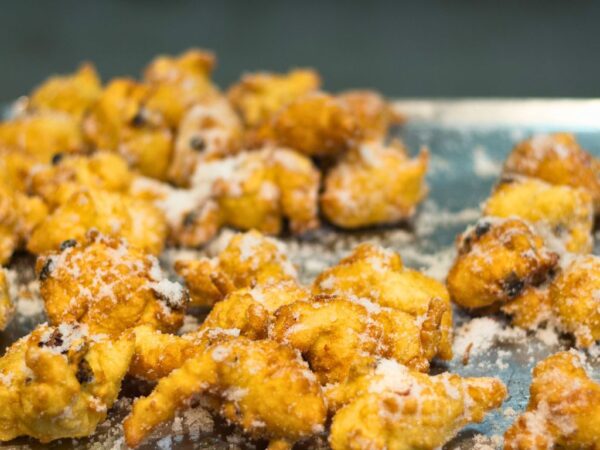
(139, 119)
(57, 158)
(55, 340)
(190, 219)
(84, 374)
(481, 228)
(198, 143)
(68, 244)
(46, 269)
(512, 285)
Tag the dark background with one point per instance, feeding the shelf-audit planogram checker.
(427, 48)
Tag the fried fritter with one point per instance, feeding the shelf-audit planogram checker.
(15, 169)
(316, 124)
(42, 135)
(258, 96)
(373, 113)
(19, 215)
(249, 259)
(398, 409)
(207, 131)
(341, 337)
(497, 260)
(109, 286)
(59, 382)
(111, 213)
(72, 94)
(120, 121)
(530, 308)
(575, 299)
(56, 183)
(261, 386)
(252, 310)
(253, 190)
(6, 305)
(556, 159)
(562, 211)
(563, 408)
(179, 82)
(375, 184)
(378, 275)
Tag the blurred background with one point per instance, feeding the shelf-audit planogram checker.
(431, 48)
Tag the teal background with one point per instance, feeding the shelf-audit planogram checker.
(404, 48)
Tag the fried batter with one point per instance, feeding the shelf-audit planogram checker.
(59, 382)
(19, 215)
(249, 259)
(252, 310)
(258, 96)
(120, 121)
(398, 409)
(56, 183)
(111, 213)
(556, 159)
(42, 135)
(316, 124)
(6, 305)
(72, 94)
(497, 260)
(180, 82)
(562, 211)
(207, 131)
(340, 337)
(575, 299)
(563, 408)
(375, 184)
(378, 275)
(253, 190)
(258, 385)
(373, 113)
(109, 286)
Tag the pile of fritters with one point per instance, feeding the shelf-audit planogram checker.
(97, 180)
(530, 253)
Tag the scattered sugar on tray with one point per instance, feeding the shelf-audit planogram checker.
(483, 165)
(482, 442)
(432, 217)
(480, 334)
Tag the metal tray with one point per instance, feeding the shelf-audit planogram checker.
(468, 140)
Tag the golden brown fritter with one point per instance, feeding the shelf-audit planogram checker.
(575, 299)
(259, 190)
(375, 184)
(111, 213)
(497, 260)
(556, 159)
(258, 96)
(120, 121)
(109, 286)
(251, 310)
(563, 408)
(59, 382)
(42, 135)
(341, 337)
(6, 305)
(261, 386)
(373, 113)
(72, 94)
(248, 260)
(530, 308)
(15, 169)
(179, 82)
(56, 183)
(316, 124)
(19, 215)
(562, 211)
(208, 130)
(378, 275)
(398, 409)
